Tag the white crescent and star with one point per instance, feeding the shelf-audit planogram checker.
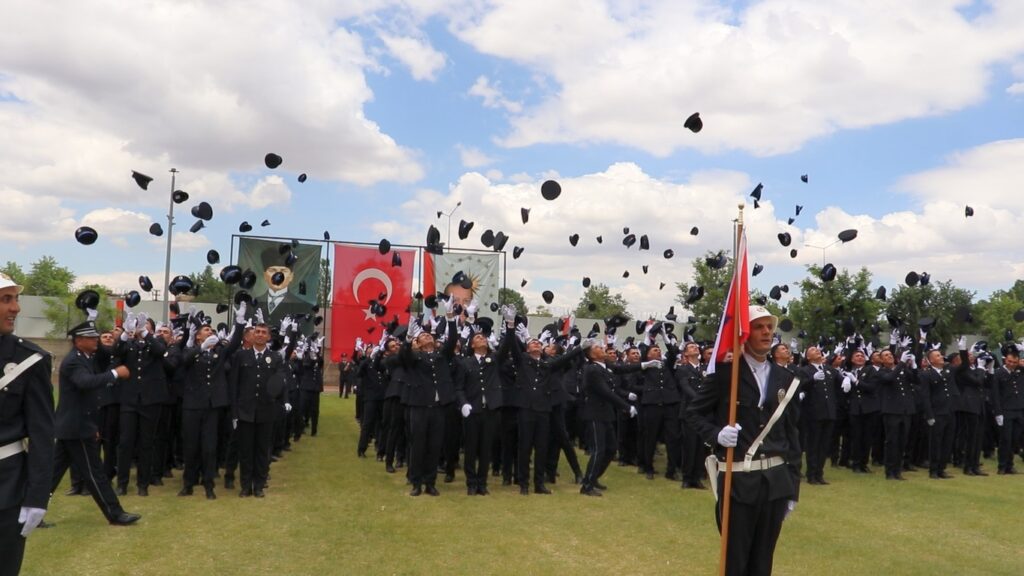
(375, 273)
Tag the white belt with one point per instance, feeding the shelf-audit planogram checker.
(754, 465)
(8, 450)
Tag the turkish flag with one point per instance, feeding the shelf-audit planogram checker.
(738, 289)
(362, 275)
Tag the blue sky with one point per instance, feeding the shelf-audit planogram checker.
(398, 109)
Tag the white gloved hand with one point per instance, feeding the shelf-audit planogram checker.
(141, 325)
(801, 396)
(819, 375)
(414, 330)
(729, 435)
(650, 364)
(464, 333)
(523, 333)
(905, 342)
(838, 350)
(259, 316)
(961, 343)
(508, 314)
(445, 306)
(129, 327)
(240, 315)
(287, 407)
(210, 342)
(91, 314)
(846, 384)
(472, 308)
(790, 508)
(793, 345)
(30, 517)
(609, 339)
(572, 341)
(930, 421)
(632, 412)
(234, 424)
(631, 396)
(466, 409)
(894, 336)
(908, 356)
(999, 420)
(545, 336)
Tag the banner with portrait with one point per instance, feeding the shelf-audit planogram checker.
(285, 286)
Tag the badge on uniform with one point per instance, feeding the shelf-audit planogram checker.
(487, 360)
(214, 356)
(8, 368)
(267, 359)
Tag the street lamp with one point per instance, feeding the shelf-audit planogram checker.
(167, 259)
(449, 215)
(823, 248)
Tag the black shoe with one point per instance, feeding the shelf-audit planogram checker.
(389, 469)
(650, 475)
(143, 491)
(524, 490)
(44, 524)
(978, 472)
(259, 493)
(550, 478)
(360, 454)
(245, 493)
(431, 490)
(185, 491)
(380, 457)
(229, 483)
(506, 482)
(541, 489)
(210, 495)
(416, 491)
(590, 491)
(822, 482)
(77, 491)
(942, 474)
(865, 470)
(934, 476)
(449, 478)
(600, 486)
(471, 491)
(671, 476)
(158, 481)
(287, 448)
(577, 478)
(123, 490)
(125, 519)
(697, 485)
(482, 490)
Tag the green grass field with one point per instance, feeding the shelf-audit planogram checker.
(328, 512)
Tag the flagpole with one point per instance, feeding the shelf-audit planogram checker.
(726, 494)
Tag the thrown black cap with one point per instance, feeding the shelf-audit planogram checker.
(911, 279)
(574, 239)
(671, 316)
(396, 260)
(550, 190)
(199, 225)
(785, 239)
(1018, 316)
(212, 257)
(790, 221)
(799, 209)
(462, 279)
(756, 194)
(600, 240)
(695, 293)
(925, 278)
(694, 123)
(629, 240)
(487, 238)
(265, 223)
(669, 254)
(792, 253)
(248, 280)
(327, 235)
(786, 325)
(968, 212)
(694, 231)
(963, 314)
(828, 273)
(803, 178)
(893, 320)
(302, 177)
(272, 160)
(757, 269)
(242, 296)
(847, 235)
(645, 244)
(244, 227)
(179, 196)
(524, 213)
(156, 229)
(716, 262)
(523, 283)
(499, 241)
(494, 306)
(616, 321)
(517, 251)
(625, 274)
(775, 293)
(880, 293)
(926, 323)
(644, 267)
(384, 246)
(86, 235)
(290, 259)
(180, 285)
(132, 299)
(548, 296)
(141, 179)
(145, 283)
(222, 308)
(203, 211)
(586, 281)
(230, 274)
(464, 228)
(87, 299)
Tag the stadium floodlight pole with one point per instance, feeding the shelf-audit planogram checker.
(823, 248)
(449, 215)
(167, 259)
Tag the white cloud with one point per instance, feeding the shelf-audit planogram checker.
(494, 175)
(117, 222)
(472, 157)
(492, 97)
(23, 213)
(1016, 89)
(423, 61)
(121, 282)
(766, 79)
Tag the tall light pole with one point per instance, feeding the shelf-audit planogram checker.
(167, 259)
(449, 215)
(823, 248)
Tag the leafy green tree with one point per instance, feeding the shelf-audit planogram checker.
(14, 272)
(209, 287)
(827, 309)
(994, 316)
(47, 278)
(708, 310)
(605, 303)
(542, 310)
(62, 314)
(941, 301)
(510, 296)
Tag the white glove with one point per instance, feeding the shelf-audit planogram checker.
(869, 349)
(819, 375)
(905, 342)
(790, 508)
(572, 341)
(924, 335)
(846, 384)
(141, 324)
(472, 308)
(631, 396)
(234, 424)
(632, 412)
(908, 356)
(729, 435)
(999, 420)
(650, 364)
(793, 345)
(445, 306)
(91, 314)
(838, 350)
(894, 336)
(981, 363)
(801, 396)
(240, 315)
(287, 407)
(523, 333)
(466, 409)
(961, 343)
(30, 517)
(508, 314)
(609, 339)
(464, 333)
(414, 330)
(259, 316)
(545, 336)
(930, 421)
(210, 342)
(129, 327)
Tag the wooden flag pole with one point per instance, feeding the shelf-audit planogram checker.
(726, 495)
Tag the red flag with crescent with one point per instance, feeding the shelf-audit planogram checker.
(368, 293)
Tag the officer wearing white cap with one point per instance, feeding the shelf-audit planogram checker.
(26, 414)
(765, 482)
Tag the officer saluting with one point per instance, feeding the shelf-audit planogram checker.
(26, 413)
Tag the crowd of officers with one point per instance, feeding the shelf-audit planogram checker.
(191, 397)
(453, 384)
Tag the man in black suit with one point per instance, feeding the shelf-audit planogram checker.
(860, 384)
(26, 413)
(689, 376)
(1008, 407)
(820, 384)
(896, 398)
(766, 486)
(972, 382)
(940, 393)
(76, 430)
(257, 386)
(598, 414)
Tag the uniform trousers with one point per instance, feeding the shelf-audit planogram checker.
(897, 432)
(479, 430)
(558, 442)
(369, 426)
(819, 441)
(253, 440)
(969, 433)
(863, 428)
(1009, 432)
(534, 429)
(395, 441)
(199, 427)
(940, 442)
(311, 409)
(11, 542)
(137, 429)
(754, 530)
(600, 438)
(84, 455)
(426, 431)
(658, 420)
